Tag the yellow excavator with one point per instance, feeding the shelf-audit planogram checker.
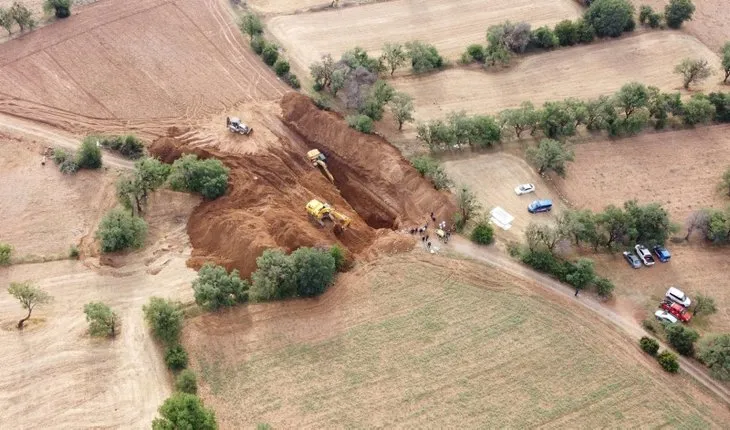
(319, 160)
(319, 212)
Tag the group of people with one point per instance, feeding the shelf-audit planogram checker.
(443, 234)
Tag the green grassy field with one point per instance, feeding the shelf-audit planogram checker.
(422, 344)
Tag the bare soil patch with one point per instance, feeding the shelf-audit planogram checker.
(131, 60)
(445, 341)
(271, 183)
(449, 25)
(35, 198)
(582, 71)
(493, 178)
(679, 169)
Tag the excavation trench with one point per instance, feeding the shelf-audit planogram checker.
(268, 190)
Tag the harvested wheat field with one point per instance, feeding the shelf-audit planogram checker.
(493, 178)
(269, 189)
(709, 22)
(449, 25)
(131, 60)
(694, 268)
(81, 382)
(412, 343)
(582, 71)
(679, 169)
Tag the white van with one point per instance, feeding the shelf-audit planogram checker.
(676, 295)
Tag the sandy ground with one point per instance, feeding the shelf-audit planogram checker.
(437, 338)
(583, 72)
(83, 382)
(270, 7)
(493, 178)
(131, 60)
(709, 22)
(450, 25)
(679, 169)
(34, 196)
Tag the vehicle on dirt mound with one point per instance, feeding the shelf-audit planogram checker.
(236, 126)
(319, 212)
(679, 311)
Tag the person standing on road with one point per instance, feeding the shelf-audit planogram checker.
(576, 292)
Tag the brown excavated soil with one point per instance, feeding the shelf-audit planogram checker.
(268, 190)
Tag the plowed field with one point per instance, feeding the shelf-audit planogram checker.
(450, 25)
(132, 60)
(413, 343)
(583, 71)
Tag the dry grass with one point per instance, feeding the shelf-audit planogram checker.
(414, 344)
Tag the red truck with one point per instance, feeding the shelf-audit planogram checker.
(677, 310)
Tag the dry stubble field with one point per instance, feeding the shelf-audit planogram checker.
(450, 25)
(413, 343)
(582, 71)
(493, 178)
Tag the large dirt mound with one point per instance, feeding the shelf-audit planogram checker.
(268, 190)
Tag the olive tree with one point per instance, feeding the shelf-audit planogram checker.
(120, 230)
(693, 71)
(251, 24)
(402, 107)
(610, 18)
(103, 321)
(322, 71)
(520, 119)
(184, 411)
(314, 268)
(61, 8)
(704, 305)
(699, 109)
(5, 252)
(23, 16)
(468, 205)
(581, 274)
(678, 11)
(550, 155)
(424, 57)
(29, 297)
(149, 175)
(7, 21)
(682, 338)
(715, 353)
(165, 317)
(274, 277)
(89, 155)
(724, 184)
(215, 287)
(725, 52)
(394, 55)
(207, 177)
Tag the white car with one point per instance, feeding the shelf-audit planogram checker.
(665, 316)
(524, 189)
(644, 255)
(676, 295)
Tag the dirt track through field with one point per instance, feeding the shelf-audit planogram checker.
(450, 25)
(584, 72)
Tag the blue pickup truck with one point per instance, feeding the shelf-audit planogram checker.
(540, 206)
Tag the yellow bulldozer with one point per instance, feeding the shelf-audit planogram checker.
(319, 160)
(319, 212)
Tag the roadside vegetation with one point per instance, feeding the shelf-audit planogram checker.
(431, 169)
(88, 157)
(128, 146)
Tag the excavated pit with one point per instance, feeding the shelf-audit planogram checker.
(264, 204)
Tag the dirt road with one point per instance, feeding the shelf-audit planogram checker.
(53, 137)
(496, 258)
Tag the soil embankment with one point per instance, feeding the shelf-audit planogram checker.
(268, 190)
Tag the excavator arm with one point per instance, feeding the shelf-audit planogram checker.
(325, 170)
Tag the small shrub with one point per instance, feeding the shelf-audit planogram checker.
(89, 155)
(649, 345)
(315, 270)
(60, 155)
(186, 382)
(322, 101)
(604, 287)
(704, 305)
(668, 361)
(176, 357)
(567, 33)
(119, 230)
(682, 338)
(545, 38)
(281, 67)
(60, 8)
(258, 44)
(270, 54)
(131, 147)
(650, 325)
(73, 252)
(165, 318)
(678, 11)
(476, 52)
(361, 123)
(207, 177)
(293, 81)
(5, 253)
(430, 168)
(715, 353)
(483, 233)
(68, 167)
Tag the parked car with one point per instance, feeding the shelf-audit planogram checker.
(644, 255)
(662, 253)
(540, 206)
(524, 189)
(665, 316)
(677, 310)
(676, 295)
(632, 259)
